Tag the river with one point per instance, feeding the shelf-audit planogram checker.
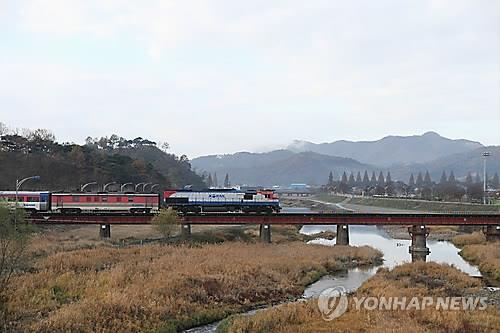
(395, 253)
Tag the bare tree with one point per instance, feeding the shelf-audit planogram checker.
(14, 240)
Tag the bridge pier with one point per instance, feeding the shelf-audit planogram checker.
(265, 233)
(342, 234)
(185, 230)
(493, 233)
(105, 231)
(418, 247)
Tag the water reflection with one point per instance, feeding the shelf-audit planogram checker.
(396, 250)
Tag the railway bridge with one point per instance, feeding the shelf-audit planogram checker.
(418, 223)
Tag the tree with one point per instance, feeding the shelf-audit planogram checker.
(427, 179)
(388, 179)
(468, 179)
(14, 240)
(351, 180)
(3, 129)
(227, 183)
(366, 180)
(381, 180)
(373, 180)
(411, 182)
(495, 181)
(330, 179)
(166, 222)
(419, 181)
(344, 178)
(477, 180)
(209, 181)
(216, 182)
(358, 178)
(443, 179)
(452, 179)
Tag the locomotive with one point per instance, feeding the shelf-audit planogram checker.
(222, 200)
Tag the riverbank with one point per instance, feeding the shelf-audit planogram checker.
(486, 255)
(416, 279)
(166, 288)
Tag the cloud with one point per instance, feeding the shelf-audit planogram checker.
(211, 71)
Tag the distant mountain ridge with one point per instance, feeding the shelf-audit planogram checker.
(280, 167)
(391, 150)
(306, 162)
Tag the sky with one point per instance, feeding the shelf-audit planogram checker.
(225, 76)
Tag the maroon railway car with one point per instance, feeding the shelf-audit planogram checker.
(105, 202)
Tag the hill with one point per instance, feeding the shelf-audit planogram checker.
(391, 149)
(280, 167)
(67, 166)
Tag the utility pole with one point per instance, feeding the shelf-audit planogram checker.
(486, 154)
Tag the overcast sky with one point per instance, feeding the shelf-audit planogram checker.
(224, 76)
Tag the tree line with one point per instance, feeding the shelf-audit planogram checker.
(421, 186)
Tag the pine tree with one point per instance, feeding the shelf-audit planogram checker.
(373, 180)
(216, 182)
(351, 179)
(477, 180)
(452, 179)
(411, 182)
(468, 179)
(358, 178)
(330, 179)
(388, 179)
(419, 181)
(427, 178)
(366, 180)
(381, 180)
(227, 183)
(495, 181)
(444, 178)
(209, 181)
(344, 178)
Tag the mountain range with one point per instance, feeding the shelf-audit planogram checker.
(306, 162)
(391, 149)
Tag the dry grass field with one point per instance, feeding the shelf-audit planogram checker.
(487, 257)
(418, 279)
(90, 286)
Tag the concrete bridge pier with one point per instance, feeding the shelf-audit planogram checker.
(265, 233)
(493, 233)
(105, 231)
(185, 230)
(418, 247)
(342, 234)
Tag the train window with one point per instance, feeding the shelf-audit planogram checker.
(104, 199)
(130, 199)
(118, 199)
(96, 199)
(76, 198)
(89, 199)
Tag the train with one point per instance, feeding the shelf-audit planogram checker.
(184, 201)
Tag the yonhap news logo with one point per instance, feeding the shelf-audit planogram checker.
(333, 303)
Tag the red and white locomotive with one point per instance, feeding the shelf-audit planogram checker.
(222, 200)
